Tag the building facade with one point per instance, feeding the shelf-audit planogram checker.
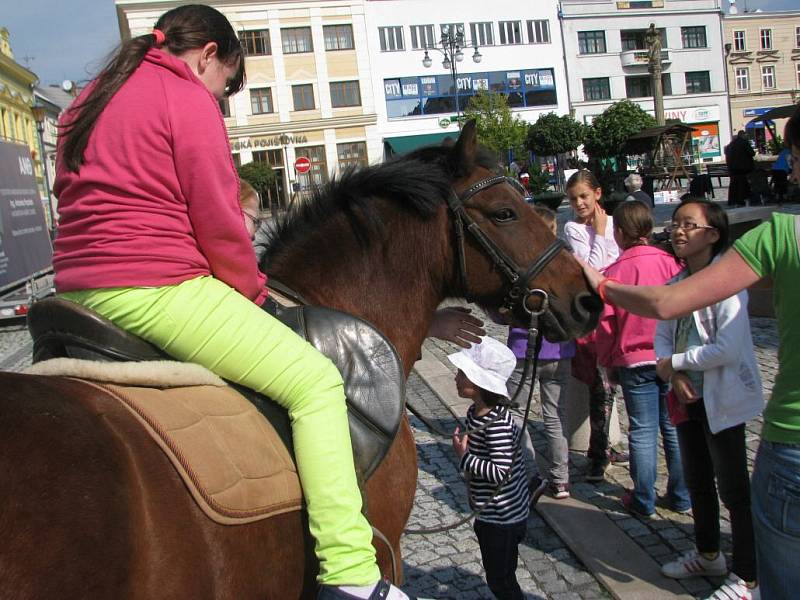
(763, 61)
(308, 91)
(17, 123)
(604, 46)
(519, 54)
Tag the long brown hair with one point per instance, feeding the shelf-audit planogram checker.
(583, 176)
(185, 28)
(635, 220)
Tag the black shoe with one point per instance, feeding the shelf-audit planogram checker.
(537, 487)
(596, 471)
(381, 591)
(620, 459)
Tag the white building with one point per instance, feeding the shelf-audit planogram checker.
(606, 52)
(520, 55)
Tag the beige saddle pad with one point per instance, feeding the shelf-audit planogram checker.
(233, 462)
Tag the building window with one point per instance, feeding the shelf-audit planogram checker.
(698, 82)
(638, 86)
(797, 37)
(338, 37)
(422, 37)
(297, 40)
(345, 93)
(225, 107)
(766, 39)
(261, 101)
(798, 74)
(256, 42)
(391, 39)
(739, 41)
(539, 31)
(510, 32)
(694, 37)
(482, 33)
(318, 174)
(634, 39)
(596, 88)
(591, 42)
(742, 79)
(768, 77)
(350, 155)
(303, 96)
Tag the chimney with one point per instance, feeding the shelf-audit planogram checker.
(732, 10)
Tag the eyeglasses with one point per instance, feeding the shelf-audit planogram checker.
(687, 227)
(256, 221)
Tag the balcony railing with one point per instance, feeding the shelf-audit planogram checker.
(639, 58)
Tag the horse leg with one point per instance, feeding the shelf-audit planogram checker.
(390, 496)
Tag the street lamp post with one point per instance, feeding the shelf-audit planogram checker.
(39, 115)
(451, 47)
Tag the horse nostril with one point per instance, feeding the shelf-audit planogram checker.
(587, 305)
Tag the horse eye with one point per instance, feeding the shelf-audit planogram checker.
(504, 215)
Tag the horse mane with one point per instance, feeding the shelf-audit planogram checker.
(417, 182)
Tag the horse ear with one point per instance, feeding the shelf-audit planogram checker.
(463, 153)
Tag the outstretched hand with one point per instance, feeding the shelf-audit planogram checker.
(460, 442)
(456, 324)
(593, 276)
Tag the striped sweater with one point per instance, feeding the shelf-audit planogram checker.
(489, 455)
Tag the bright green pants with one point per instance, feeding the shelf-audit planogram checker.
(206, 322)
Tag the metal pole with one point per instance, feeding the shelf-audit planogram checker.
(40, 132)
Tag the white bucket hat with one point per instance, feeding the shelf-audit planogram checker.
(488, 364)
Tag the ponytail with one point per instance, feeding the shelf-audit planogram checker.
(178, 30)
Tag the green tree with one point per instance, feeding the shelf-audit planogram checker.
(609, 131)
(258, 174)
(498, 128)
(553, 134)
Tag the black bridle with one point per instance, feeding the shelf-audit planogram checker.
(518, 277)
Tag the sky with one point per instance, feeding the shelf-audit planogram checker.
(69, 39)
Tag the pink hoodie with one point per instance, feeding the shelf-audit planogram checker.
(624, 339)
(156, 201)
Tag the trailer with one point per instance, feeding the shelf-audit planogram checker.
(26, 250)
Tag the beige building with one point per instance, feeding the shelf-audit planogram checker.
(308, 90)
(763, 61)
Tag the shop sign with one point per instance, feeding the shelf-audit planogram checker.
(693, 114)
(267, 142)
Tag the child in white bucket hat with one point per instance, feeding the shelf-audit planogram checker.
(489, 458)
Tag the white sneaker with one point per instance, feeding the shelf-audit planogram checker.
(735, 588)
(693, 564)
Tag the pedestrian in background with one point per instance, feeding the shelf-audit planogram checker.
(633, 183)
(490, 458)
(625, 347)
(591, 236)
(553, 375)
(739, 158)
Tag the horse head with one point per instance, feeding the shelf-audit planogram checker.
(506, 255)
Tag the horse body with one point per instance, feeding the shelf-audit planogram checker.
(90, 507)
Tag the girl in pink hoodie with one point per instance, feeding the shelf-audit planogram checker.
(625, 347)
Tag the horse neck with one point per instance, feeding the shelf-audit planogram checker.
(396, 283)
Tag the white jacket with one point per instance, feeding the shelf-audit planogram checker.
(731, 382)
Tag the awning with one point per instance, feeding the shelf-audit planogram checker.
(781, 112)
(407, 143)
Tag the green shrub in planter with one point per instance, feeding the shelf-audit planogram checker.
(551, 200)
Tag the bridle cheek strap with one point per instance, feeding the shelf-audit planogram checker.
(518, 277)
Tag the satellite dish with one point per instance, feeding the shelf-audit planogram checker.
(67, 85)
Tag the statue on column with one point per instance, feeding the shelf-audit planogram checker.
(653, 40)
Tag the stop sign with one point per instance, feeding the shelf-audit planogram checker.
(302, 165)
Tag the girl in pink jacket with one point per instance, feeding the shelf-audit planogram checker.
(625, 347)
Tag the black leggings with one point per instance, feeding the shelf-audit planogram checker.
(500, 551)
(706, 456)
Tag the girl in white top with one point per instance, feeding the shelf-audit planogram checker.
(591, 234)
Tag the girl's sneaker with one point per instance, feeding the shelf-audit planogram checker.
(735, 588)
(559, 491)
(694, 564)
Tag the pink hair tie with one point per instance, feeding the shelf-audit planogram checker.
(160, 37)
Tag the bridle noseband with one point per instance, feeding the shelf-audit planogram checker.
(518, 277)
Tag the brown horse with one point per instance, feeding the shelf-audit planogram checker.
(91, 508)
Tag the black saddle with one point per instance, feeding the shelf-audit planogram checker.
(373, 375)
